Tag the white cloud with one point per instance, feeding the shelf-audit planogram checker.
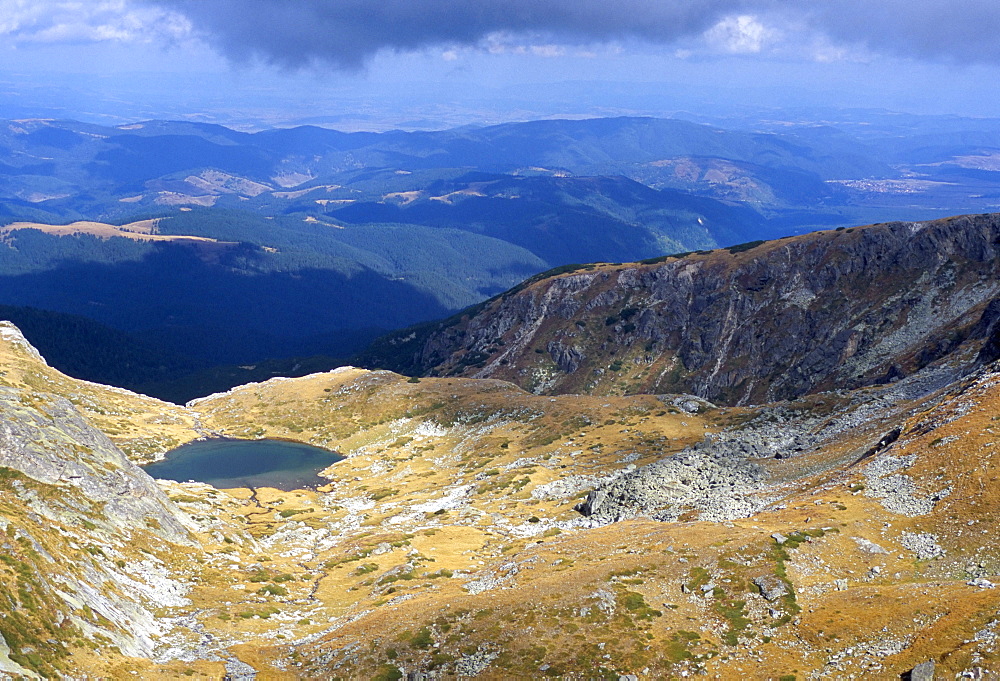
(69, 21)
(783, 35)
(548, 50)
(817, 47)
(743, 34)
(502, 42)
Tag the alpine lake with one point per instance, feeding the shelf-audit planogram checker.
(227, 463)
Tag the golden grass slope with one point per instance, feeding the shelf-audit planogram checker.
(142, 427)
(144, 230)
(548, 597)
(447, 540)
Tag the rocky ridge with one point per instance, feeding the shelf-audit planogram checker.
(756, 323)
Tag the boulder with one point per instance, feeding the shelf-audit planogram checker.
(771, 586)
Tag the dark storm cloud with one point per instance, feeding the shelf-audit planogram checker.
(952, 30)
(347, 32)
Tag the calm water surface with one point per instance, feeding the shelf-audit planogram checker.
(225, 463)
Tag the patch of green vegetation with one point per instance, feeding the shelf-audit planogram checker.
(404, 576)
(624, 573)
(388, 672)
(797, 537)
(636, 604)
(273, 590)
(263, 613)
(663, 258)
(734, 612)
(439, 659)
(699, 577)
(8, 474)
(348, 559)
(677, 646)
(366, 568)
(740, 248)
(791, 606)
(34, 626)
(422, 640)
(443, 572)
(380, 494)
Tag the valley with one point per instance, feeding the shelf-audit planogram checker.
(559, 339)
(291, 249)
(819, 528)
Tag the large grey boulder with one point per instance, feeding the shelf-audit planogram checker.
(771, 587)
(922, 672)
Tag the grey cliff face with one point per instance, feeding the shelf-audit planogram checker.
(843, 308)
(46, 438)
(86, 523)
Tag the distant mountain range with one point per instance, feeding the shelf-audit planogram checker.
(67, 169)
(308, 241)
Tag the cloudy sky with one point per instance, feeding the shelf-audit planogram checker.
(939, 56)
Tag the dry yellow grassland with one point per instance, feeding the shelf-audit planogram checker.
(144, 230)
(447, 539)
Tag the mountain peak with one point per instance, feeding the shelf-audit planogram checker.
(12, 335)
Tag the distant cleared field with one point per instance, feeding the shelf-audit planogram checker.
(144, 230)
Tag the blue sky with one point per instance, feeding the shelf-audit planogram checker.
(919, 56)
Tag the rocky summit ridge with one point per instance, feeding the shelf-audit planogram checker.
(762, 523)
(753, 323)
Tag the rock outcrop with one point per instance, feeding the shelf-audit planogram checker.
(46, 438)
